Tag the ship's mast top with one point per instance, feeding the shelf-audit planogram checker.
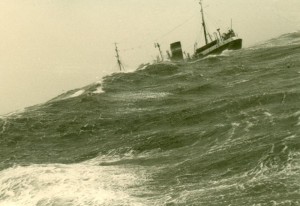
(121, 67)
(203, 22)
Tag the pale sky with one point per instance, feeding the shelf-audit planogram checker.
(51, 46)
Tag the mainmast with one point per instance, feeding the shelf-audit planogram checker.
(121, 67)
(203, 22)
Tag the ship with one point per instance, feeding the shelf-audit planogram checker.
(215, 44)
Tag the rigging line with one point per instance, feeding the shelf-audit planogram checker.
(178, 26)
(214, 21)
(199, 35)
(132, 48)
(162, 36)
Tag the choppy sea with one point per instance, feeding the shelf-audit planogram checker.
(224, 130)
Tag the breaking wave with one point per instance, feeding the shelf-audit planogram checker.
(223, 130)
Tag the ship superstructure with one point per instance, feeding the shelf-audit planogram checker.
(219, 42)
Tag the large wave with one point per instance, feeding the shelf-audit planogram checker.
(223, 130)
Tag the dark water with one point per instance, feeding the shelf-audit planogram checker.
(220, 131)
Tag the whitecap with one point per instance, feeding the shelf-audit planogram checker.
(296, 114)
(142, 95)
(74, 184)
(267, 114)
(76, 94)
(98, 90)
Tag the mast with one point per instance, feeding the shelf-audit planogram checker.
(121, 67)
(203, 22)
(156, 45)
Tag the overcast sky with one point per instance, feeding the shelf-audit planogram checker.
(51, 46)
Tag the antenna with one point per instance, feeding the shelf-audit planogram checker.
(156, 45)
(121, 67)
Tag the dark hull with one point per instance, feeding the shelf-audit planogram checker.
(231, 45)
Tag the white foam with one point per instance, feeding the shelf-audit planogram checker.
(237, 82)
(3, 127)
(98, 90)
(290, 137)
(249, 125)
(15, 113)
(225, 53)
(3, 117)
(76, 185)
(268, 114)
(142, 95)
(76, 94)
(144, 66)
(296, 114)
(99, 81)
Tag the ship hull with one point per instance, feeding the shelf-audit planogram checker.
(219, 47)
(232, 45)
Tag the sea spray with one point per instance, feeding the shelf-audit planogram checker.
(223, 130)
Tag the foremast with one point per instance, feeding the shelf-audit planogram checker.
(203, 22)
(121, 67)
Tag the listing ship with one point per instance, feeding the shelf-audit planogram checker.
(215, 44)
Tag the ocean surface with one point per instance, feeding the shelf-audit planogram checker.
(224, 130)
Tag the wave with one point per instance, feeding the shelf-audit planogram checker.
(75, 184)
(220, 131)
(288, 39)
